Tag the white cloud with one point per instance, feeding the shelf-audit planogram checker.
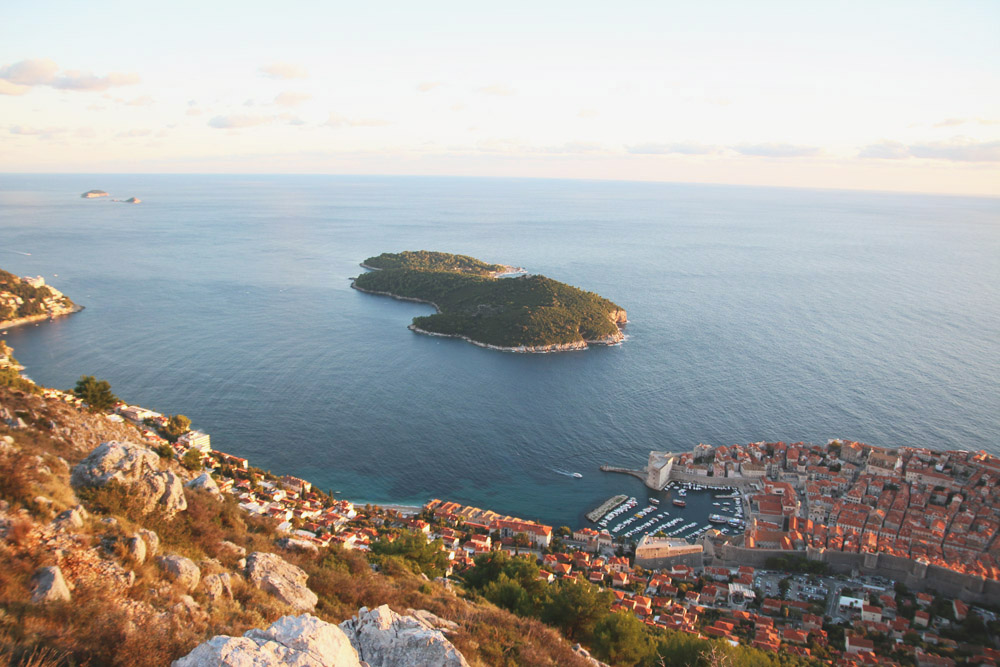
(283, 71)
(288, 99)
(664, 149)
(885, 150)
(36, 72)
(587, 113)
(497, 89)
(776, 150)
(8, 88)
(16, 79)
(573, 147)
(143, 101)
(959, 150)
(236, 121)
(337, 120)
(956, 150)
(77, 80)
(951, 122)
(132, 134)
(40, 132)
(426, 86)
(291, 119)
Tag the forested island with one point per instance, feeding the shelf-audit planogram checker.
(527, 313)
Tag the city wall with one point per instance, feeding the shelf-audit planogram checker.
(735, 482)
(693, 559)
(916, 575)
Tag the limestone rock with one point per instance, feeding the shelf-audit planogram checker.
(205, 482)
(433, 621)
(50, 586)
(293, 544)
(69, 519)
(182, 570)
(585, 654)
(136, 547)
(233, 549)
(383, 638)
(138, 469)
(152, 541)
(271, 573)
(188, 610)
(218, 586)
(299, 641)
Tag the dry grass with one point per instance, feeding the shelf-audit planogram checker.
(139, 626)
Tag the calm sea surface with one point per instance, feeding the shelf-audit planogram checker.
(755, 314)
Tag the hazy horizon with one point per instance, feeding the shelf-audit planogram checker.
(891, 97)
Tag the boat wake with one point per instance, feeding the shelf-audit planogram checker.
(568, 474)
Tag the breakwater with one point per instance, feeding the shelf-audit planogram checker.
(606, 507)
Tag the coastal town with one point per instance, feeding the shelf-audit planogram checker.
(803, 575)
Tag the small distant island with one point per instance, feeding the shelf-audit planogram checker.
(24, 300)
(526, 313)
(94, 194)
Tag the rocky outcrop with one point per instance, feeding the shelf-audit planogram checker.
(383, 638)
(152, 541)
(293, 544)
(205, 482)
(619, 316)
(585, 654)
(71, 519)
(182, 570)
(138, 469)
(49, 586)
(233, 549)
(433, 621)
(135, 546)
(218, 586)
(376, 638)
(273, 574)
(299, 641)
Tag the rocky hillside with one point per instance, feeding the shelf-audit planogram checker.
(112, 553)
(29, 299)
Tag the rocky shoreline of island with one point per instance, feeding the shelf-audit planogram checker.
(523, 349)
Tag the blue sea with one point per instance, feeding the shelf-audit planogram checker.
(754, 314)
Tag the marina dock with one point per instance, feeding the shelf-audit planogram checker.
(606, 507)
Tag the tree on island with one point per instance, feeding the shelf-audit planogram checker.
(95, 393)
(177, 425)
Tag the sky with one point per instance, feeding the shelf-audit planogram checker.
(898, 96)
